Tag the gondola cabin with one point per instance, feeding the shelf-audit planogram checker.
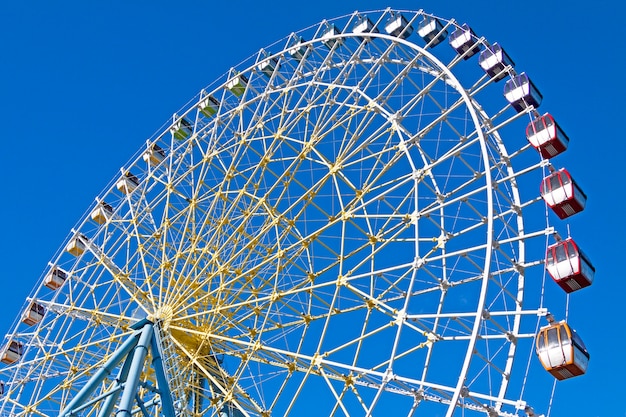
(568, 266)
(102, 213)
(561, 351)
(431, 30)
(362, 26)
(237, 84)
(398, 26)
(297, 48)
(464, 41)
(209, 106)
(562, 194)
(267, 66)
(154, 155)
(181, 129)
(546, 136)
(33, 314)
(12, 352)
(494, 60)
(128, 183)
(55, 278)
(1, 388)
(521, 93)
(329, 34)
(76, 246)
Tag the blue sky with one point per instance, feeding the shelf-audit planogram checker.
(84, 84)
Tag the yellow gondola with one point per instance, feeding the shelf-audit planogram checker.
(561, 351)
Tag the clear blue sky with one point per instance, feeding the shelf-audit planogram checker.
(83, 85)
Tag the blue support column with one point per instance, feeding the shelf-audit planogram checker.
(107, 407)
(133, 352)
(136, 367)
(100, 375)
(163, 385)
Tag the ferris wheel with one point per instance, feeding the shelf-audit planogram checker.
(355, 221)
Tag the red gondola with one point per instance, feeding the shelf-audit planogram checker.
(561, 351)
(33, 314)
(12, 352)
(569, 266)
(562, 194)
(546, 136)
(493, 60)
(463, 40)
(55, 278)
(522, 93)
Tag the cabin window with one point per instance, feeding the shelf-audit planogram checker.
(578, 341)
(560, 253)
(541, 343)
(537, 125)
(16, 348)
(554, 182)
(571, 250)
(565, 340)
(553, 338)
(550, 258)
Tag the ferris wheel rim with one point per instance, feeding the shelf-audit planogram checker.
(470, 104)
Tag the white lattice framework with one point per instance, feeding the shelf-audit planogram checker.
(345, 225)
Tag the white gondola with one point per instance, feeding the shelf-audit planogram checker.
(431, 30)
(521, 93)
(76, 246)
(568, 266)
(561, 351)
(237, 84)
(33, 314)
(55, 278)
(562, 194)
(1, 388)
(11, 352)
(266, 65)
(209, 106)
(102, 213)
(181, 129)
(546, 136)
(398, 26)
(329, 34)
(128, 183)
(464, 41)
(363, 26)
(297, 49)
(494, 60)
